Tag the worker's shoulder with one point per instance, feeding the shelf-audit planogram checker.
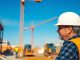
(69, 44)
(74, 41)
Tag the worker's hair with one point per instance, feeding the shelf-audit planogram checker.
(76, 29)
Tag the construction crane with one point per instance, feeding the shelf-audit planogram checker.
(21, 21)
(22, 2)
(33, 26)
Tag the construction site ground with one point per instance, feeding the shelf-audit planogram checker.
(38, 57)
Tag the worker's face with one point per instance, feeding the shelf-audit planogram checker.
(64, 32)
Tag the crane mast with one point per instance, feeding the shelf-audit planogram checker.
(21, 21)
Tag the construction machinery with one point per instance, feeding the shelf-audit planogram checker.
(5, 45)
(49, 49)
(6, 48)
(28, 50)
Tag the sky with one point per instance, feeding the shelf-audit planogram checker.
(34, 12)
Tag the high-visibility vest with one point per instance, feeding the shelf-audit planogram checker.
(16, 49)
(76, 41)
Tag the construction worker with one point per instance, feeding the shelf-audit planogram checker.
(16, 49)
(69, 31)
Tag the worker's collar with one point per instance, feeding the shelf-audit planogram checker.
(74, 37)
(71, 38)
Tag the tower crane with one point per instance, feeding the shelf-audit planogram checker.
(22, 2)
(34, 26)
(21, 21)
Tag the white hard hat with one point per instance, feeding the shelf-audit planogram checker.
(69, 18)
